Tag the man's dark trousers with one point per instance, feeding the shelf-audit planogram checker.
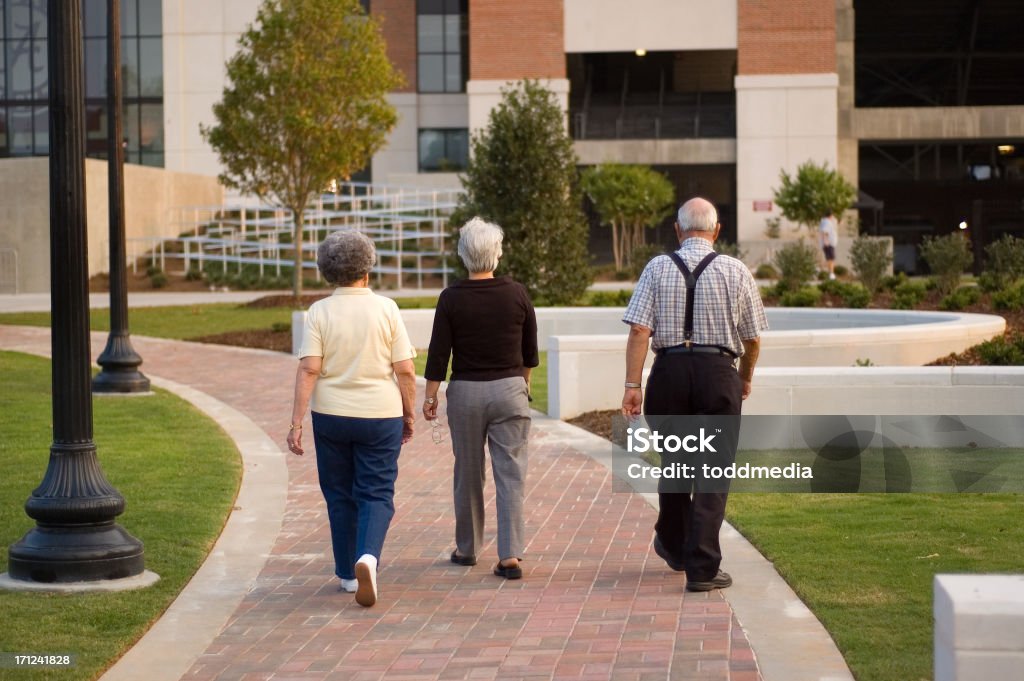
(698, 384)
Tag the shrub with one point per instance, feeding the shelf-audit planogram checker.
(1010, 298)
(158, 279)
(891, 283)
(840, 270)
(871, 260)
(729, 248)
(832, 287)
(807, 296)
(609, 298)
(856, 295)
(1004, 261)
(194, 274)
(990, 282)
(908, 295)
(797, 262)
(280, 327)
(642, 255)
(964, 296)
(947, 257)
(766, 271)
(1006, 350)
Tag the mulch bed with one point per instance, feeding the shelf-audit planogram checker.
(294, 303)
(265, 339)
(597, 422)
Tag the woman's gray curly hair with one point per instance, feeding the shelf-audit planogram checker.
(345, 257)
(480, 245)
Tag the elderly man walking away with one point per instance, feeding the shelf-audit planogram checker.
(702, 312)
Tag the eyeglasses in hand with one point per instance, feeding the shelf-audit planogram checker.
(437, 431)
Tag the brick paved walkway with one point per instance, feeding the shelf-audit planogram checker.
(595, 602)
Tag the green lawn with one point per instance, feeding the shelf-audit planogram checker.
(179, 473)
(864, 563)
(193, 321)
(538, 379)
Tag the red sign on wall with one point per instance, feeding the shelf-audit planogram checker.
(762, 206)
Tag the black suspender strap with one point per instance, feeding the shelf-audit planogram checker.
(691, 288)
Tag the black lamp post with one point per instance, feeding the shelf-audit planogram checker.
(119, 361)
(75, 538)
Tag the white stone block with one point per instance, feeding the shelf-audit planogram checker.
(981, 612)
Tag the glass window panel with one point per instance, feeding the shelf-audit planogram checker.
(430, 6)
(154, 159)
(451, 6)
(151, 132)
(151, 67)
(3, 126)
(39, 18)
(19, 69)
(3, 69)
(453, 73)
(131, 128)
(130, 67)
(430, 34)
(431, 73)
(458, 148)
(452, 33)
(3, 24)
(150, 21)
(129, 18)
(41, 114)
(19, 125)
(95, 22)
(96, 130)
(95, 68)
(19, 18)
(431, 149)
(39, 70)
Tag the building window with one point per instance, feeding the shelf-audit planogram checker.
(442, 43)
(24, 91)
(443, 150)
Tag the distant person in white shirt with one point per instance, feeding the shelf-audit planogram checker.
(829, 239)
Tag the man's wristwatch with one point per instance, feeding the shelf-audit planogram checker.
(430, 400)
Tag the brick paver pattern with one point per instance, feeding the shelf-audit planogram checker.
(595, 601)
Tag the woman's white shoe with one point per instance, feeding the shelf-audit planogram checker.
(366, 575)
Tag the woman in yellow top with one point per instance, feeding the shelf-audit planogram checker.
(354, 347)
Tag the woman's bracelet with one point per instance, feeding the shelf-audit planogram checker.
(295, 426)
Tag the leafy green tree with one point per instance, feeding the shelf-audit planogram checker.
(305, 104)
(630, 199)
(522, 176)
(813, 193)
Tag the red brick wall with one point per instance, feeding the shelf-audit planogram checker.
(509, 39)
(786, 36)
(398, 20)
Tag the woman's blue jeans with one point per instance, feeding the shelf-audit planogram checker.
(357, 462)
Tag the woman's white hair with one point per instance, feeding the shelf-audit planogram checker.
(697, 215)
(480, 245)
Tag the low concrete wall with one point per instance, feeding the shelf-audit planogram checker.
(979, 627)
(585, 373)
(151, 195)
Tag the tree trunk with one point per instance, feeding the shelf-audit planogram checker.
(616, 251)
(298, 220)
(624, 247)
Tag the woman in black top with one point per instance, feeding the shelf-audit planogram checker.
(487, 325)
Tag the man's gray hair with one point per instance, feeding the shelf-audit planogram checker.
(480, 245)
(697, 215)
(345, 257)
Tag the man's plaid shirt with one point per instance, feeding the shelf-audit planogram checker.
(727, 306)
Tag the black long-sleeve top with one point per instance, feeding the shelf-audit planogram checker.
(489, 328)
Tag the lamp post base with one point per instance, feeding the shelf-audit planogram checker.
(120, 368)
(52, 554)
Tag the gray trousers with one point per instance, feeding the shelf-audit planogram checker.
(496, 413)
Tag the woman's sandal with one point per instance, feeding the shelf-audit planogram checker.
(514, 572)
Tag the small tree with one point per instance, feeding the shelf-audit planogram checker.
(871, 260)
(522, 176)
(813, 193)
(947, 257)
(630, 199)
(305, 104)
